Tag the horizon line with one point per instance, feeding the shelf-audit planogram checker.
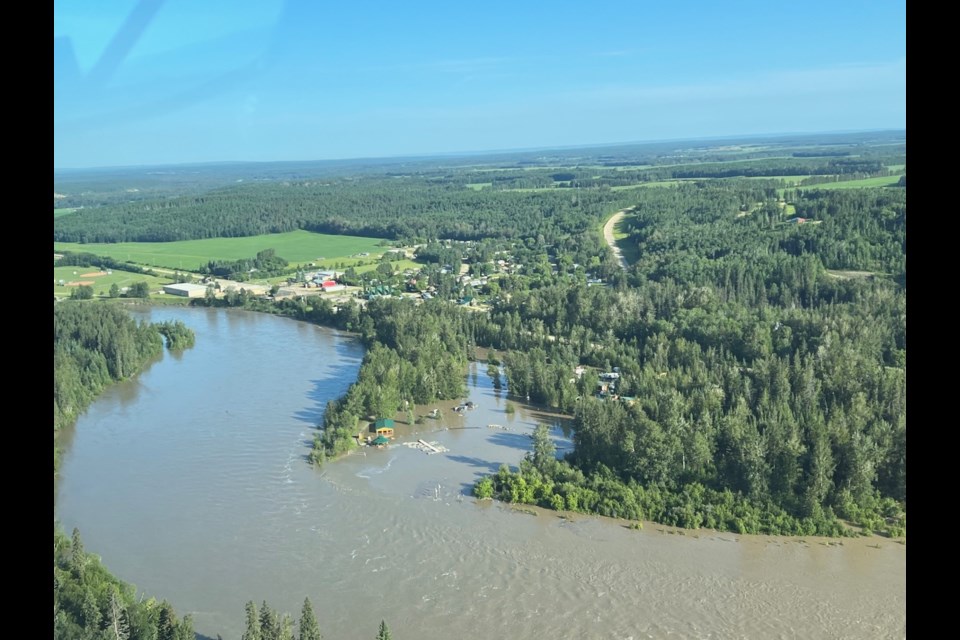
(488, 152)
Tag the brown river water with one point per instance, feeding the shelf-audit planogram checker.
(192, 483)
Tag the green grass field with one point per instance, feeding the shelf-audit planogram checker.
(882, 181)
(295, 246)
(631, 253)
(554, 187)
(101, 284)
(399, 265)
(59, 213)
(660, 183)
(793, 179)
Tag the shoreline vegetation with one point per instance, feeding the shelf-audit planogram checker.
(401, 359)
(87, 597)
(96, 345)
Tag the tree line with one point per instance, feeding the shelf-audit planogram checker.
(412, 208)
(266, 264)
(95, 345)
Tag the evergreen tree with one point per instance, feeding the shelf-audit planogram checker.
(90, 612)
(309, 629)
(269, 623)
(253, 623)
(544, 450)
(185, 630)
(167, 626)
(77, 556)
(285, 631)
(82, 292)
(384, 633)
(119, 625)
(138, 290)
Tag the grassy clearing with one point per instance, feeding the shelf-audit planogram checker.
(660, 183)
(848, 275)
(554, 187)
(101, 284)
(896, 167)
(619, 236)
(882, 181)
(295, 246)
(59, 213)
(793, 179)
(477, 186)
(399, 265)
(631, 253)
(618, 232)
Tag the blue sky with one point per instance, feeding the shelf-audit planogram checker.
(175, 81)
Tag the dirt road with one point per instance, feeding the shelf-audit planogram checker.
(608, 236)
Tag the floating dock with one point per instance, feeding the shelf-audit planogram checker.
(427, 447)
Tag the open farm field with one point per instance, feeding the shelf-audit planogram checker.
(398, 265)
(882, 181)
(99, 280)
(658, 183)
(295, 246)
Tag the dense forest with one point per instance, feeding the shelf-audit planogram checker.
(745, 365)
(378, 207)
(548, 194)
